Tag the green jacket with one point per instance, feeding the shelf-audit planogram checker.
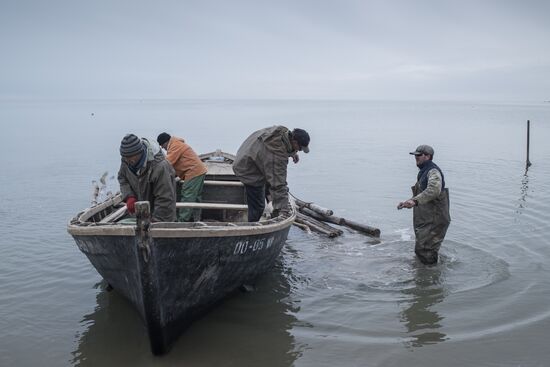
(263, 160)
(155, 182)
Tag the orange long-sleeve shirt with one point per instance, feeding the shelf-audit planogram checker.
(183, 158)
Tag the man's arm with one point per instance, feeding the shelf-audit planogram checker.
(164, 192)
(125, 188)
(275, 174)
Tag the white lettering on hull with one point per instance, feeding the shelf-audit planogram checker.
(245, 246)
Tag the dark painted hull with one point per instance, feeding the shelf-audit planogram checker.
(179, 279)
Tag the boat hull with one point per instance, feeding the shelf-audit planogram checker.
(177, 279)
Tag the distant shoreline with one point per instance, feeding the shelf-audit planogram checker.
(255, 101)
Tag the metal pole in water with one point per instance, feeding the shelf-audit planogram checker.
(528, 162)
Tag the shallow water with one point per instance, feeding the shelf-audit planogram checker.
(349, 301)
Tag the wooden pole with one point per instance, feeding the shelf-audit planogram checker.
(313, 227)
(375, 232)
(320, 214)
(371, 231)
(315, 224)
(320, 223)
(312, 221)
(528, 162)
(314, 207)
(329, 218)
(302, 226)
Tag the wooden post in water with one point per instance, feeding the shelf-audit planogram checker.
(528, 162)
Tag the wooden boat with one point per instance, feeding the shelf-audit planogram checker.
(172, 273)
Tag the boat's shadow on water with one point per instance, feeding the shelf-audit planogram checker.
(248, 328)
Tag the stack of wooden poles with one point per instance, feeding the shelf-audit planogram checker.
(314, 218)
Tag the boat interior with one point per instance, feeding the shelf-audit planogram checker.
(223, 201)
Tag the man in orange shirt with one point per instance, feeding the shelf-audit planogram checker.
(188, 167)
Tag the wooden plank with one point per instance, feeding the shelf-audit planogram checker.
(180, 205)
(114, 215)
(223, 183)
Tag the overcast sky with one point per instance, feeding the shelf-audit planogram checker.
(291, 49)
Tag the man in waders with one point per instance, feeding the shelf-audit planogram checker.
(430, 203)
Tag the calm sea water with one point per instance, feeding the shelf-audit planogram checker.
(348, 301)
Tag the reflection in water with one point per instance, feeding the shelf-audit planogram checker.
(109, 330)
(246, 329)
(422, 322)
(524, 190)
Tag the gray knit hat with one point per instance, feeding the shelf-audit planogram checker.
(130, 145)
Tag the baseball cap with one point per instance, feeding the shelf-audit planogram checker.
(423, 149)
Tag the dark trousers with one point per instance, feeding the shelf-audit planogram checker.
(255, 198)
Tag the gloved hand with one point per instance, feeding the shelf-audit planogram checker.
(131, 204)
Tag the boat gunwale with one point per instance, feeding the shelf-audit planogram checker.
(77, 227)
(157, 231)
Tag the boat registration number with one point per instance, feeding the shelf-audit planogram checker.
(242, 247)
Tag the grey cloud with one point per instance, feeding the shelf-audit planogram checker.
(283, 49)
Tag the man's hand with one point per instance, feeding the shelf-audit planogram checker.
(131, 204)
(295, 158)
(406, 204)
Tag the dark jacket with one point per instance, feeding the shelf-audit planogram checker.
(263, 159)
(155, 182)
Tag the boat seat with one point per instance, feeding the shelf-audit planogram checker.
(222, 183)
(222, 212)
(224, 206)
(223, 191)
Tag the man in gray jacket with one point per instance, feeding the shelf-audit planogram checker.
(145, 175)
(262, 161)
(430, 203)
